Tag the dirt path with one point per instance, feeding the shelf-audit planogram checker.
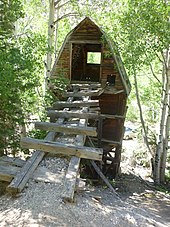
(40, 204)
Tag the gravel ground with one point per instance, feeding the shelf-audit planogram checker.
(41, 204)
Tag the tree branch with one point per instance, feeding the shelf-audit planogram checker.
(159, 57)
(60, 6)
(154, 73)
(57, 2)
(64, 16)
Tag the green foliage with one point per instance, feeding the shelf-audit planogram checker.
(20, 67)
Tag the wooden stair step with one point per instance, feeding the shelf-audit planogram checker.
(78, 114)
(97, 92)
(70, 129)
(71, 114)
(60, 148)
(62, 104)
(85, 85)
(88, 83)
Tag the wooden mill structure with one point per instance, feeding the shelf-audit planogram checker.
(88, 57)
(88, 123)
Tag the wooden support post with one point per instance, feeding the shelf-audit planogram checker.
(99, 172)
(100, 126)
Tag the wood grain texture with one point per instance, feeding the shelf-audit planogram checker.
(22, 177)
(68, 129)
(60, 148)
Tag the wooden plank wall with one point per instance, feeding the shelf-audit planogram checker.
(89, 31)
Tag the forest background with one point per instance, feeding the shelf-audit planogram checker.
(140, 31)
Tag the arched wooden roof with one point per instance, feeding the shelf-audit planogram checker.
(113, 49)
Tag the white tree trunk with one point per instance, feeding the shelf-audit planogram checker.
(167, 120)
(160, 154)
(56, 34)
(50, 40)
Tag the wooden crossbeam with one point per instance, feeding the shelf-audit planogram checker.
(71, 114)
(97, 92)
(113, 142)
(71, 129)
(62, 104)
(6, 160)
(78, 114)
(7, 174)
(60, 148)
(85, 82)
(85, 85)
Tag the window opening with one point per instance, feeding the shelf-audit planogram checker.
(94, 58)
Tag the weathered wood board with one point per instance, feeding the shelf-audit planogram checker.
(6, 160)
(8, 172)
(27, 170)
(62, 104)
(68, 129)
(72, 172)
(60, 148)
(97, 92)
(78, 114)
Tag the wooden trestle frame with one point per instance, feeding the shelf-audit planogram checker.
(73, 121)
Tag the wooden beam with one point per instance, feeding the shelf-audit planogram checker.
(71, 129)
(71, 114)
(70, 179)
(60, 148)
(108, 141)
(78, 114)
(110, 116)
(85, 85)
(61, 105)
(79, 94)
(84, 82)
(7, 173)
(6, 160)
(27, 170)
(99, 172)
(86, 41)
(72, 172)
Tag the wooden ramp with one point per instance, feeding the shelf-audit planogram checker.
(67, 132)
